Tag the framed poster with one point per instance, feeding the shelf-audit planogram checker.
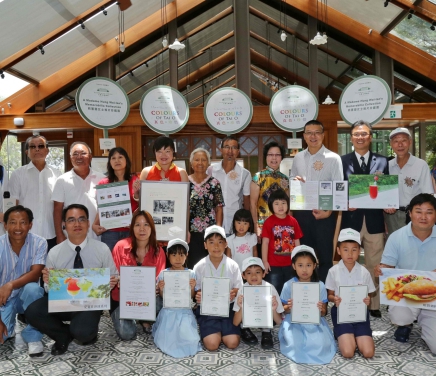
(168, 203)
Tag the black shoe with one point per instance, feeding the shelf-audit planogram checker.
(402, 333)
(267, 340)
(91, 342)
(248, 337)
(59, 348)
(375, 313)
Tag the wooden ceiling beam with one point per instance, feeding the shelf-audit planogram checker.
(422, 9)
(61, 105)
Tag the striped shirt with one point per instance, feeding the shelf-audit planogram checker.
(13, 266)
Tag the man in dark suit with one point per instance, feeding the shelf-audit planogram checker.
(369, 222)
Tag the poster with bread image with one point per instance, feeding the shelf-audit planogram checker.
(408, 288)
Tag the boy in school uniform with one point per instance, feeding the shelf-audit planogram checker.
(348, 272)
(215, 329)
(253, 272)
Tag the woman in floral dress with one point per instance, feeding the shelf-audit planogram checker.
(206, 204)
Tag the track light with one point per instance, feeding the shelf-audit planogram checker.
(146, 64)
(82, 25)
(104, 11)
(386, 3)
(165, 42)
(433, 24)
(411, 11)
(2, 75)
(41, 48)
(131, 73)
(283, 36)
(336, 61)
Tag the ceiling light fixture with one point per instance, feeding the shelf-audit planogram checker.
(386, 3)
(165, 42)
(122, 47)
(82, 25)
(328, 100)
(104, 11)
(177, 46)
(41, 48)
(411, 11)
(433, 24)
(146, 64)
(336, 61)
(319, 39)
(283, 36)
(2, 75)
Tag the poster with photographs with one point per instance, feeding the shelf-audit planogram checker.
(168, 203)
(114, 206)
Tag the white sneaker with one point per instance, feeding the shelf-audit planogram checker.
(35, 349)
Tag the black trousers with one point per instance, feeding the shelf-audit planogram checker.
(318, 234)
(196, 249)
(83, 325)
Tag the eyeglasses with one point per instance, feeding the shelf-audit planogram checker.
(40, 146)
(227, 147)
(72, 220)
(274, 155)
(316, 133)
(362, 134)
(77, 155)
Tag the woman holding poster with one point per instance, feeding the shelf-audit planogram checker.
(139, 249)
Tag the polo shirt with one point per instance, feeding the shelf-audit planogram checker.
(404, 250)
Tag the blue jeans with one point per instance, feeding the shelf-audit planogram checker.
(28, 294)
(278, 276)
(110, 238)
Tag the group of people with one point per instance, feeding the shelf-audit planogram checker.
(239, 227)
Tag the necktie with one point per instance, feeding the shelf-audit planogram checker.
(78, 264)
(363, 164)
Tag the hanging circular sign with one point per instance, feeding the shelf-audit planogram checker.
(365, 98)
(164, 109)
(292, 107)
(228, 110)
(102, 103)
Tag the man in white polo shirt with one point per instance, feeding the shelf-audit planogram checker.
(235, 181)
(413, 177)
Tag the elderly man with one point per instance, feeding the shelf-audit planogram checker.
(413, 177)
(22, 258)
(78, 251)
(317, 163)
(235, 181)
(32, 185)
(76, 186)
(369, 222)
(413, 247)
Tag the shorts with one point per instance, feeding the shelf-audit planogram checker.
(358, 329)
(214, 324)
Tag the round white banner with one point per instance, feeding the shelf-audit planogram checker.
(365, 98)
(228, 110)
(292, 107)
(164, 109)
(102, 103)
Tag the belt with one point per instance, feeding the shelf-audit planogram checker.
(403, 208)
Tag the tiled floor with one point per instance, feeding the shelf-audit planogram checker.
(112, 357)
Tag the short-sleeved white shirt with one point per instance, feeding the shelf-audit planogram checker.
(33, 189)
(274, 292)
(226, 269)
(323, 165)
(70, 188)
(414, 178)
(234, 186)
(339, 275)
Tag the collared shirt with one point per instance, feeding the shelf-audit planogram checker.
(70, 188)
(13, 266)
(226, 269)
(74, 246)
(234, 186)
(339, 275)
(414, 178)
(33, 189)
(365, 158)
(404, 250)
(274, 292)
(323, 165)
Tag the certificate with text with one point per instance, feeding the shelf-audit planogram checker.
(305, 298)
(257, 307)
(352, 308)
(176, 292)
(138, 293)
(215, 296)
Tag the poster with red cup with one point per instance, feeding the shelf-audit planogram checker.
(373, 192)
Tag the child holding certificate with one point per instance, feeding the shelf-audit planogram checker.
(348, 272)
(280, 234)
(253, 272)
(217, 328)
(242, 244)
(175, 331)
(306, 343)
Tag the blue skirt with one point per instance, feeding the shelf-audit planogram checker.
(175, 332)
(307, 343)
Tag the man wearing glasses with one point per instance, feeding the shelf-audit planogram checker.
(76, 186)
(317, 163)
(235, 180)
(76, 252)
(369, 222)
(32, 185)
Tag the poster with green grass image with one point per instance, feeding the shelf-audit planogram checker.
(373, 191)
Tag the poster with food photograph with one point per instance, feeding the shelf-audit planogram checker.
(408, 288)
(373, 191)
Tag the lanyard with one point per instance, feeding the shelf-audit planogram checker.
(222, 270)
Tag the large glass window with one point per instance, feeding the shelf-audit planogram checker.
(380, 143)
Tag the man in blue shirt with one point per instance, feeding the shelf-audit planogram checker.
(22, 258)
(413, 247)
